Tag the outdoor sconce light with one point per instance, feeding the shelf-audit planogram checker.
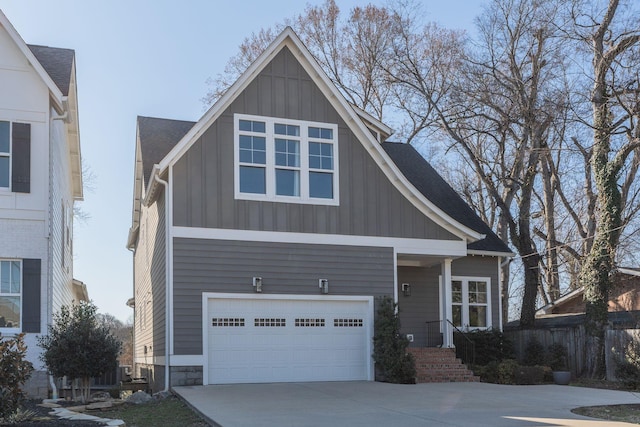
(406, 289)
(257, 284)
(323, 284)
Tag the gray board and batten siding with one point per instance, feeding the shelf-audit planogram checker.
(226, 266)
(203, 186)
(423, 304)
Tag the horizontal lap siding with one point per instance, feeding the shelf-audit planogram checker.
(422, 305)
(149, 266)
(203, 178)
(228, 266)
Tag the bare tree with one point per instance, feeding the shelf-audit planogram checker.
(610, 33)
(497, 102)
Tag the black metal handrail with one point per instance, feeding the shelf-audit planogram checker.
(434, 333)
(465, 348)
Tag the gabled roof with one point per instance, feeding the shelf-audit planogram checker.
(290, 40)
(57, 62)
(56, 68)
(157, 137)
(56, 92)
(422, 175)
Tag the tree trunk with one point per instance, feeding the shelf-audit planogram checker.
(531, 264)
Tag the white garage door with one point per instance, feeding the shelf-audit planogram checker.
(288, 339)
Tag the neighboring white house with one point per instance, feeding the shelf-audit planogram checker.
(40, 180)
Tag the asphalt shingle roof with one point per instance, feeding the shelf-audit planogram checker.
(157, 138)
(426, 180)
(57, 62)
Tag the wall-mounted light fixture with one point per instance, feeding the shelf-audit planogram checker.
(323, 284)
(257, 284)
(406, 289)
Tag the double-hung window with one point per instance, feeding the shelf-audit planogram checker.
(5, 154)
(470, 299)
(10, 293)
(285, 160)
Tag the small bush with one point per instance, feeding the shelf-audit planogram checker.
(487, 373)
(15, 370)
(507, 371)
(491, 346)
(557, 357)
(534, 354)
(628, 367)
(529, 375)
(390, 346)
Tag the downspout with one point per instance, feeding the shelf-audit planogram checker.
(167, 272)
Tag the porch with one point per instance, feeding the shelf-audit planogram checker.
(439, 300)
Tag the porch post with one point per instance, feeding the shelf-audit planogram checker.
(445, 289)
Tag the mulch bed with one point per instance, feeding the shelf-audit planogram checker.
(43, 418)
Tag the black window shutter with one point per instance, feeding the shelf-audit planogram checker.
(31, 295)
(21, 158)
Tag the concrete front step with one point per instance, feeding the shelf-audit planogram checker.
(435, 365)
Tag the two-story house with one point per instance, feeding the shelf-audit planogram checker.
(264, 232)
(40, 180)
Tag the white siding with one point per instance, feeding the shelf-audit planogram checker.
(61, 218)
(28, 240)
(28, 228)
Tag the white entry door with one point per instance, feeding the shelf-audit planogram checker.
(269, 338)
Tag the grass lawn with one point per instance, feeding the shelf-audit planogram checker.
(626, 413)
(166, 412)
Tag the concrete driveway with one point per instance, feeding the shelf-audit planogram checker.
(374, 404)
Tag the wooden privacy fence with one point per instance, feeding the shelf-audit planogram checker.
(616, 342)
(573, 337)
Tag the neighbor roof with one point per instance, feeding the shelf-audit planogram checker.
(57, 62)
(422, 175)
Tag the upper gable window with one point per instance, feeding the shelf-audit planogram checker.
(285, 160)
(5, 154)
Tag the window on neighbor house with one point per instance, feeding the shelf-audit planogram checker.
(15, 156)
(10, 293)
(5, 154)
(285, 160)
(470, 302)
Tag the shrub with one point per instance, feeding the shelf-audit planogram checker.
(507, 371)
(628, 366)
(534, 354)
(491, 346)
(78, 346)
(390, 346)
(528, 375)
(14, 372)
(557, 357)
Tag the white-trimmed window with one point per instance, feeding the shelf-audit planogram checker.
(471, 302)
(10, 295)
(285, 160)
(5, 154)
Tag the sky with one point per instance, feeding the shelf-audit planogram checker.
(149, 58)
